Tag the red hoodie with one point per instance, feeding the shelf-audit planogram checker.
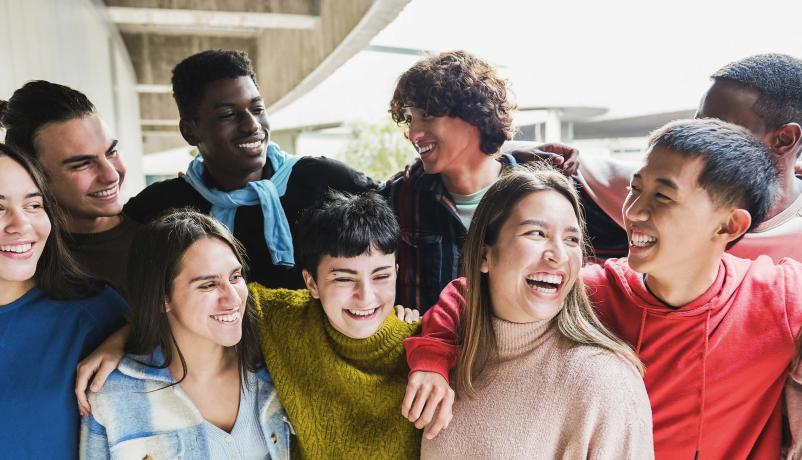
(715, 368)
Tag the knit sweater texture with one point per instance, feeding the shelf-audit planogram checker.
(546, 397)
(343, 396)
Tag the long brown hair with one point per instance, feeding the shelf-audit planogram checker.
(57, 273)
(576, 321)
(156, 252)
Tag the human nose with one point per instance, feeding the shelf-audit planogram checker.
(108, 172)
(635, 209)
(364, 294)
(556, 252)
(17, 222)
(248, 123)
(415, 131)
(229, 296)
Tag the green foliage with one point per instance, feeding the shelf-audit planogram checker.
(378, 149)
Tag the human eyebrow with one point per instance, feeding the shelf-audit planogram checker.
(112, 147)
(27, 195)
(535, 222)
(344, 270)
(257, 99)
(77, 159)
(667, 183)
(204, 278)
(224, 104)
(378, 269)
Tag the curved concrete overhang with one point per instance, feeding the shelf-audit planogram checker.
(294, 45)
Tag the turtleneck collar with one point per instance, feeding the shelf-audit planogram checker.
(377, 351)
(517, 339)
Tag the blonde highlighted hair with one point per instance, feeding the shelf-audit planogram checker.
(576, 321)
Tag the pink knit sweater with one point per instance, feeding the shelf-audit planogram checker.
(546, 397)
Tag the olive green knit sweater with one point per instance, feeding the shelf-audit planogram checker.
(342, 395)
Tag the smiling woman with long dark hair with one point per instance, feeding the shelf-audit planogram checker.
(538, 375)
(191, 384)
(51, 316)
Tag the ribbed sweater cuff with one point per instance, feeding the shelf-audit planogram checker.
(432, 356)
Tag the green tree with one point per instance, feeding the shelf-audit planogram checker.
(379, 149)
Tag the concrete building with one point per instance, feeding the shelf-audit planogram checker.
(121, 53)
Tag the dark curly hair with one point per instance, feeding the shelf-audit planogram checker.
(193, 74)
(458, 84)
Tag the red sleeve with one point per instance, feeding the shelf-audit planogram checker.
(435, 350)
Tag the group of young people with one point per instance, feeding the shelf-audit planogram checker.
(258, 300)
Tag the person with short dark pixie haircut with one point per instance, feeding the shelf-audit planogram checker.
(458, 113)
(240, 177)
(716, 333)
(335, 351)
(60, 128)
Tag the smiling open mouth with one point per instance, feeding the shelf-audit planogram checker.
(362, 314)
(16, 248)
(640, 240)
(105, 193)
(545, 283)
(226, 318)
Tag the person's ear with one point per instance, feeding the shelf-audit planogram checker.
(187, 128)
(309, 280)
(167, 308)
(485, 266)
(737, 224)
(786, 139)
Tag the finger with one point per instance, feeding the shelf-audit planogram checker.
(83, 376)
(102, 374)
(557, 160)
(442, 418)
(420, 402)
(431, 406)
(415, 315)
(399, 312)
(409, 398)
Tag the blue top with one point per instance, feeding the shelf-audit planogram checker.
(138, 414)
(41, 342)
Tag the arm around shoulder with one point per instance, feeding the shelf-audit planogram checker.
(435, 350)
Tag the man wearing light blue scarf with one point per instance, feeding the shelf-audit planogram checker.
(265, 192)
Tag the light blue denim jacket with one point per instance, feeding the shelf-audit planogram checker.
(130, 420)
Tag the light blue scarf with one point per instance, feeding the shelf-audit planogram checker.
(265, 192)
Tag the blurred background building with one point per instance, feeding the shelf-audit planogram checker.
(599, 75)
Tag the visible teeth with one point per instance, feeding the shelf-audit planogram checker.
(425, 149)
(546, 290)
(250, 145)
(546, 278)
(641, 240)
(227, 318)
(104, 193)
(18, 248)
(361, 312)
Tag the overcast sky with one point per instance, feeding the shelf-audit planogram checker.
(632, 57)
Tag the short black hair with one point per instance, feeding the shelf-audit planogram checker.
(34, 105)
(778, 79)
(191, 76)
(345, 225)
(738, 170)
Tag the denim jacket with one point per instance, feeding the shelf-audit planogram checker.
(130, 420)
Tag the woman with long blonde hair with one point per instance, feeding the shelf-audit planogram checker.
(538, 375)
